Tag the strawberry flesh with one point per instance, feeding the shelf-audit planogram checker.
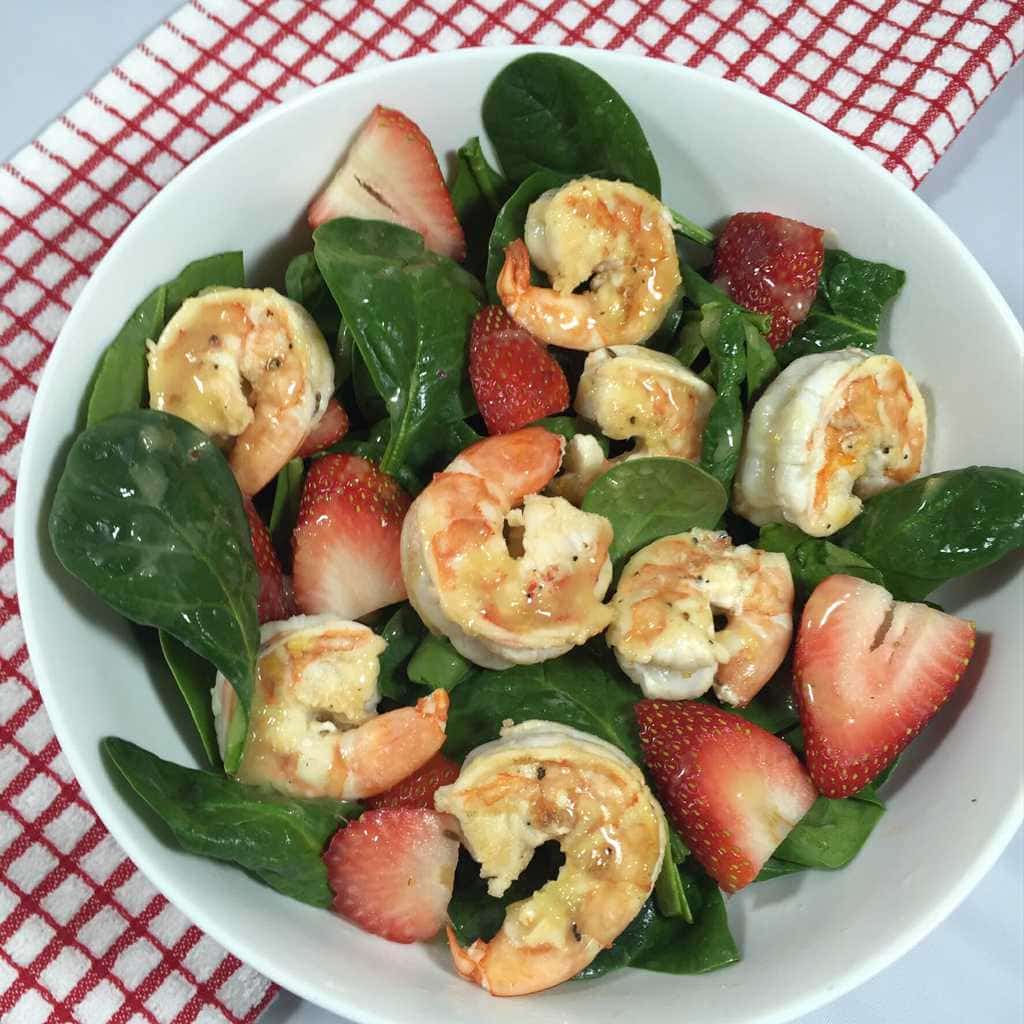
(417, 790)
(771, 265)
(392, 872)
(869, 673)
(330, 429)
(516, 381)
(347, 541)
(732, 790)
(392, 174)
(273, 603)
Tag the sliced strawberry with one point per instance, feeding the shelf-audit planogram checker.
(869, 672)
(273, 603)
(392, 872)
(417, 790)
(330, 429)
(391, 173)
(346, 544)
(515, 379)
(771, 265)
(732, 790)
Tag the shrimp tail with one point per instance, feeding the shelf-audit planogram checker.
(514, 278)
(469, 962)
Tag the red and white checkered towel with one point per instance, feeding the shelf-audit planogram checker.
(83, 935)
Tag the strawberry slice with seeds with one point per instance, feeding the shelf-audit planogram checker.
(516, 381)
(330, 429)
(418, 789)
(273, 603)
(869, 673)
(392, 174)
(347, 541)
(732, 790)
(771, 265)
(392, 872)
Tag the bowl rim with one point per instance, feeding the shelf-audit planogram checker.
(174, 885)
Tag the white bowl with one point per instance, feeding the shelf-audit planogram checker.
(956, 798)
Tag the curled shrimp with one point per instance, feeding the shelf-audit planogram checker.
(663, 627)
(634, 393)
(504, 601)
(248, 367)
(313, 728)
(544, 781)
(609, 234)
(830, 430)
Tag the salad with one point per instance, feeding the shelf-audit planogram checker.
(539, 565)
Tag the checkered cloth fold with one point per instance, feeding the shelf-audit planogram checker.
(83, 935)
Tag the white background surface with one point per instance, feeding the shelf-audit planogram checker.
(971, 969)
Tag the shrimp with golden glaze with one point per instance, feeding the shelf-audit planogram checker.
(634, 393)
(663, 617)
(248, 367)
(544, 781)
(313, 729)
(830, 430)
(610, 235)
(505, 600)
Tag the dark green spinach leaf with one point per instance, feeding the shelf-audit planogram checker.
(938, 527)
(775, 867)
(305, 285)
(852, 295)
(645, 499)
(222, 270)
(278, 839)
(148, 515)
(402, 633)
(774, 707)
(120, 383)
(813, 559)
(478, 192)
(831, 833)
(544, 112)
(195, 677)
(410, 311)
(583, 689)
(285, 511)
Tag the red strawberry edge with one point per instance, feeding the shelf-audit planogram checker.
(273, 603)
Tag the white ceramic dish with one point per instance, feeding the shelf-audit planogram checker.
(956, 798)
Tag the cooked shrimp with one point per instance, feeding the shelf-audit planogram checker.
(830, 430)
(248, 367)
(663, 629)
(611, 235)
(634, 393)
(504, 602)
(313, 727)
(545, 781)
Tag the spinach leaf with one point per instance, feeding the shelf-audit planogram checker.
(938, 527)
(222, 270)
(723, 433)
(438, 665)
(670, 945)
(674, 891)
(403, 633)
(510, 222)
(688, 229)
(148, 515)
(305, 285)
(645, 499)
(195, 677)
(583, 689)
(852, 294)
(478, 192)
(284, 513)
(410, 311)
(762, 366)
(120, 383)
(775, 867)
(831, 833)
(278, 839)
(546, 112)
(813, 559)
